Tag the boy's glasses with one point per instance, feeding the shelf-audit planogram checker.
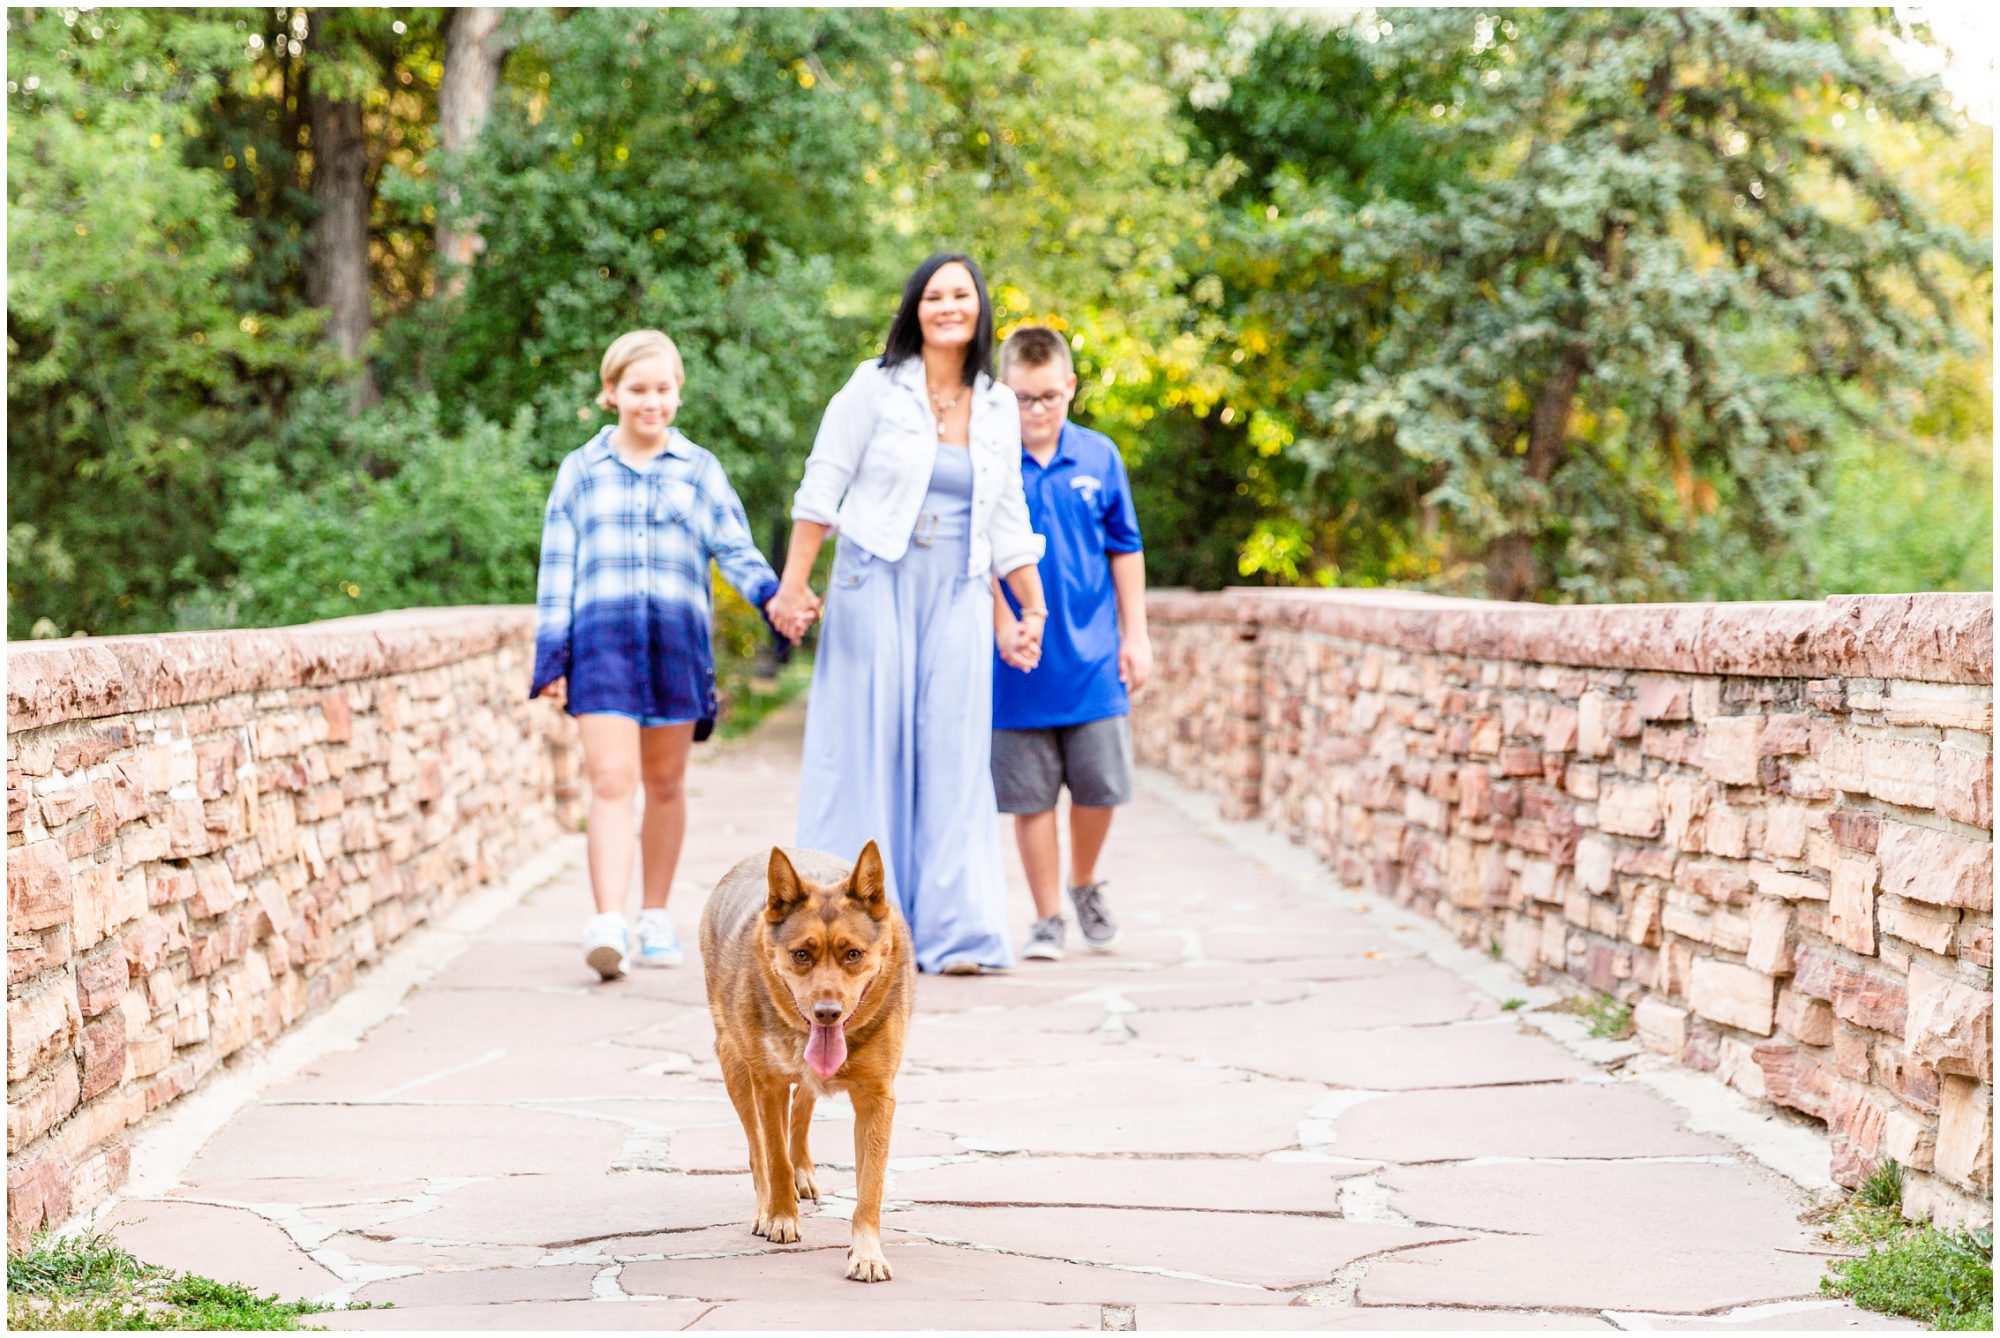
(1047, 400)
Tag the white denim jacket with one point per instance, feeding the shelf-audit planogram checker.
(871, 466)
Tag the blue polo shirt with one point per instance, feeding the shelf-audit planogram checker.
(1081, 504)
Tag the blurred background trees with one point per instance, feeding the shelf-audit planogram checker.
(305, 304)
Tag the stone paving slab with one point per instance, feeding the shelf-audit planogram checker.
(898, 1316)
(1781, 1317)
(1544, 1120)
(1208, 1318)
(554, 1212)
(1630, 1221)
(181, 1236)
(1277, 1251)
(644, 1316)
(1473, 1054)
(926, 1271)
(1275, 1106)
(486, 1286)
(1219, 1185)
(383, 1253)
(369, 1144)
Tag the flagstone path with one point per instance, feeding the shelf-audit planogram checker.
(1277, 1105)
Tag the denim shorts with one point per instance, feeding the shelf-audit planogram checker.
(645, 721)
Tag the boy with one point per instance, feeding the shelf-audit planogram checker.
(1067, 723)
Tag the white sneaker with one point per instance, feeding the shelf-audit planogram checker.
(1045, 940)
(658, 944)
(604, 942)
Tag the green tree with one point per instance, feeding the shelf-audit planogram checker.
(1911, 508)
(399, 511)
(1052, 147)
(1628, 339)
(332, 103)
(133, 365)
(700, 171)
(1309, 108)
(1578, 303)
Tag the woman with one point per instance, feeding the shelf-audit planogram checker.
(918, 466)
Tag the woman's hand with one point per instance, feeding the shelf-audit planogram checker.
(1020, 644)
(1003, 641)
(792, 610)
(556, 691)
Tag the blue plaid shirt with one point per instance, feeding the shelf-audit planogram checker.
(622, 601)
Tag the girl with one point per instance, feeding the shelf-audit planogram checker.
(622, 628)
(918, 464)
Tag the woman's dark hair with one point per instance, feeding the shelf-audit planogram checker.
(906, 337)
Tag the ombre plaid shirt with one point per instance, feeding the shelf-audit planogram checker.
(623, 600)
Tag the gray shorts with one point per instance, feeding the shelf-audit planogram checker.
(1094, 759)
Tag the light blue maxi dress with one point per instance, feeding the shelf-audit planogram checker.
(899, 728)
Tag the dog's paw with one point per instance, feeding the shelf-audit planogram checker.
(807, 1182)
(866, 1264)
(782, 1229)
(762, 1226)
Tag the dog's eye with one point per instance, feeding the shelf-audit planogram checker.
(854, 954)
(801, 956)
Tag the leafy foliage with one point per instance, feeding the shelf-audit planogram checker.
(388, 510)
(1573, 304)
(132, 372)
(695, 170)
(1627, 334)
(1944, 1278)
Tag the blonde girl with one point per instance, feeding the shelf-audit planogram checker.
(622, 617)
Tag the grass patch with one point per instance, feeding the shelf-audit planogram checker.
(1883, 1188)
(1913, 1269)
(92, 1283)
(749, 704)
(1513, 1005)
(1609, 1019)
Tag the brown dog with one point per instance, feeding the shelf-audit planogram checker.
(810, 977)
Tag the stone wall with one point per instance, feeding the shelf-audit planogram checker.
(207, 834)
(1766, 826)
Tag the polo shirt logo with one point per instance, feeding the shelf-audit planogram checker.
(1087, 484)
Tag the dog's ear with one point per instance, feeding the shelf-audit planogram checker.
(786, 891)
(868, 884)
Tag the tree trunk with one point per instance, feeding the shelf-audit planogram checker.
(337, 270)
(474, 53)
(1512, 570)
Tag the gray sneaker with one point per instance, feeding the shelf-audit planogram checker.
(1093, 918)
(1045, 940)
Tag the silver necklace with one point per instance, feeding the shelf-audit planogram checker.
(941, 408)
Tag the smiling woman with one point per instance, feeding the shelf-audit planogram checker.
(918, 465)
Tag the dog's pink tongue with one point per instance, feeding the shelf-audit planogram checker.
(826, 1051)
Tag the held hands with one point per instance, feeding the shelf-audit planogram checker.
(1019, 640)
(557, 691)
(792, 610)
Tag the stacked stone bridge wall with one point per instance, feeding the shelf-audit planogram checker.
(1766, 827)
(209, 833)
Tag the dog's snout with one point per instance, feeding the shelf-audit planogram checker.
(826, 1011)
